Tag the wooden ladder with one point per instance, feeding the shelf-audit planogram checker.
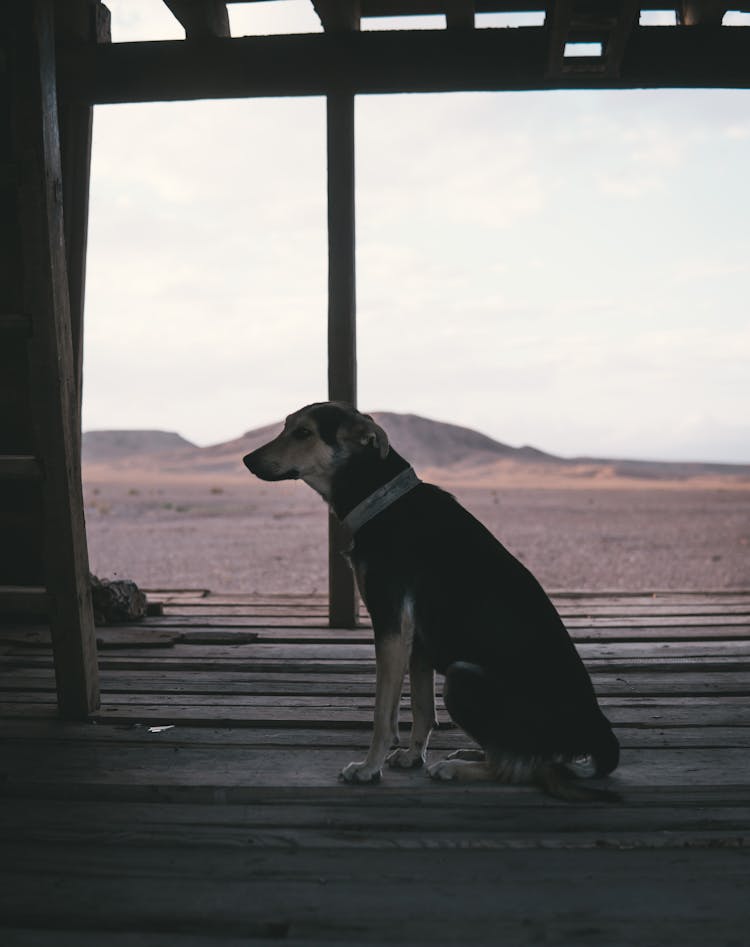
(43, 555)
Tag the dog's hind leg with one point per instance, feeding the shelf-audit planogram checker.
(472, 754)
(512, 736)
(476, 702)
(391, 657)
(422, 680)
(462, 771)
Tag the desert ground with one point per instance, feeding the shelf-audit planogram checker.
(228, 532)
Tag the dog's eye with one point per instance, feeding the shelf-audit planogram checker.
(300, 433)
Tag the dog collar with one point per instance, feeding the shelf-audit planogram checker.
(380, 500)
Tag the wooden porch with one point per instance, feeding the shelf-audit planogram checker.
(58, 62)
(200, 805)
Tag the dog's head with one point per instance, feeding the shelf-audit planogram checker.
(316, 441)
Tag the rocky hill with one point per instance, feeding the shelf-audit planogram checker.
(424, 442)
(428, 444)
(106, 446)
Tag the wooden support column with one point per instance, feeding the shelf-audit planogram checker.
(342, 355)
(341, 16)
(78, 22)
(53, 392)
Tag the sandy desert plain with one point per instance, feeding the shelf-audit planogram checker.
(171, 515)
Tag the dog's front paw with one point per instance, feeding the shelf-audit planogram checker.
(444, 769)
(409, 757)
(360, 773)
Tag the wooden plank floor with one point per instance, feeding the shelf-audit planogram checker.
(201, 804)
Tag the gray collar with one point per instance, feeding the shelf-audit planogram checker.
(380, 500)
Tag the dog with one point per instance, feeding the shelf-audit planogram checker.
(444, 595)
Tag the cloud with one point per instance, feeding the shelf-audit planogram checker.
(628, 185)
(708, 268)
(460, 163)
(738, 132)
(564, 269)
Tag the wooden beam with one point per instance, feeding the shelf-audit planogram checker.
(201, 19)
(78, 21)
(619, 36)
(392, 62)
(702, 12)
(607, 22)
(337, 16)
(459, 14)
(19, 467)
(557, 26)
(377, 8)
(342, 343)
(35, 136)
(14, 323)
(23, 599)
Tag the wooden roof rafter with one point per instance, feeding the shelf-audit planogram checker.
(201, 19)
(607, 24)
(339, 16)
(689, 12)
(381, 62)
(619, 37)
(460, 14)
(702, 12)
(205, 18)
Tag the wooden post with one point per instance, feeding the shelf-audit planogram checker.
(342, 356)
(54, 389)
(79, 21)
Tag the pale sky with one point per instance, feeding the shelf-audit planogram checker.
(563, 269)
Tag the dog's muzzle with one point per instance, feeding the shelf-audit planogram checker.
(266, 469)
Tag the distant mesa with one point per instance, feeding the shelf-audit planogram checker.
(459, 452)
(426, 443)
(429, 443)
(104, 446)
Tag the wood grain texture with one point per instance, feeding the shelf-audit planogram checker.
(342, 325)
(393, 62)
(392, 895)
(230, 824)
(54, 393)
(15, 323)
(78, 22)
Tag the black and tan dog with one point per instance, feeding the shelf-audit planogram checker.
(446, 596)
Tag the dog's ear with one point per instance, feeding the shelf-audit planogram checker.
(372, 434)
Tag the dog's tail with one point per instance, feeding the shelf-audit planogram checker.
(557, 781)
